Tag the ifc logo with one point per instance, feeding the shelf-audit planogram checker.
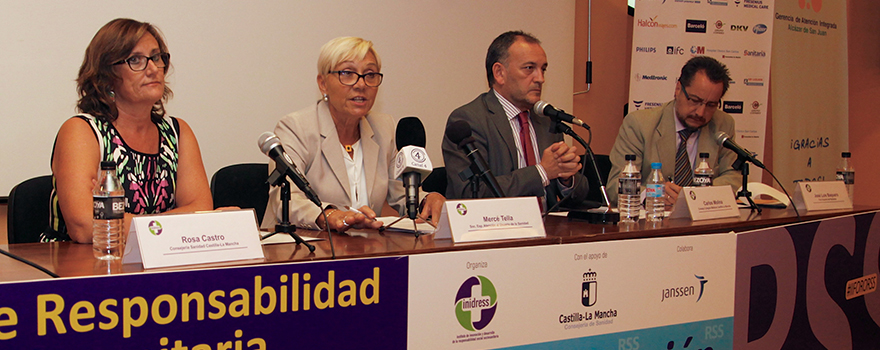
(155, 228)
(474, 312)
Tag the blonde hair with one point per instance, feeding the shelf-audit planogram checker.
(346, 48)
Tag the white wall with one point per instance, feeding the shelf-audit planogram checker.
(241, 65)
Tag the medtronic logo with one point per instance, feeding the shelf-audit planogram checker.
(750, 53)
(733, 107)
(640, 77)
(155, 227)
(475, 311)
(588, 288)
(753, 81)
(759, 29)
(695, 26)
(646, 49)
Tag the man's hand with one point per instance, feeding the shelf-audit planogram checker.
(560, 161)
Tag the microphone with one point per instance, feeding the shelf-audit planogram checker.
(411, 162)
(545, 109)
(271, 146)
(459, 132)
(725, 141)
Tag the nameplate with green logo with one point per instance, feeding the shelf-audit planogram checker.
(490, 219)
(168, 240)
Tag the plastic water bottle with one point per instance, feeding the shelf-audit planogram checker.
(847, 174)
(628, 201)
(109, 204)
(703, 174)
(654, 189)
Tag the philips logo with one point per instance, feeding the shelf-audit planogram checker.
(733, 107)
(695, 26)
(759, 29)
(646, 49)
(750, 53)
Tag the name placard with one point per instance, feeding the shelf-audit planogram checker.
(490, 219)
(821, 195)
(168, 240)
(703, 203)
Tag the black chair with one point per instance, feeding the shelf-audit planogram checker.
(28, 210)
(603, 162)
(436, 181)
(242, 185)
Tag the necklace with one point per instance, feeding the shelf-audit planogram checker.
(348, 148)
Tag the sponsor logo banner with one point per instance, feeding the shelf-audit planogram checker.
(732, 107)
(695, 26)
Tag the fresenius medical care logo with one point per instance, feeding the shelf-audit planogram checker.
(588, 288)
(684, 291)
(475, 303)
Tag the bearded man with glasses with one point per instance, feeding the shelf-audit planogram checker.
(675, 133)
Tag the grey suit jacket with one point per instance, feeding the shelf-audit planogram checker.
(309, 137)
(495, 141)
(650, 135)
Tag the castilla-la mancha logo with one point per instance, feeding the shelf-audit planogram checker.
(475, 303)
(589, 288)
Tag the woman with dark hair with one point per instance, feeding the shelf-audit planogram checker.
(122, 88)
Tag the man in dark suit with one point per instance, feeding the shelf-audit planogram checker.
(526, 159)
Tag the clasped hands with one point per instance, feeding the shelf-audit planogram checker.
(560, 161)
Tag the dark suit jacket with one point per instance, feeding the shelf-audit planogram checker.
(495, 141)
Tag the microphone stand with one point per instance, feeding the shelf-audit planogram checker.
(278, 179)
(597, 215)
(742, 165)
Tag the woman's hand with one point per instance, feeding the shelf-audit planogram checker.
(342, 220)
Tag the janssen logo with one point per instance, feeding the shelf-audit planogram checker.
(695, 26)
(753, 81)
(733, 107)
(651, 22)
(476, 303)
(684, 291)
(646, 49)
(753, 53)
(651, 77)
(759, 28)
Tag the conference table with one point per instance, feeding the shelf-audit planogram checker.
(79, 272)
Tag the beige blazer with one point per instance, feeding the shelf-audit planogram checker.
(650, 135)
(309, 137)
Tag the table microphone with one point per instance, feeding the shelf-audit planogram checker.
(271, 146)
(459, 132)
(411, 162)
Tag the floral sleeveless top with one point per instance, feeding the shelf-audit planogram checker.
(149, 180)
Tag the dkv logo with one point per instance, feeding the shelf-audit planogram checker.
(476, 303)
